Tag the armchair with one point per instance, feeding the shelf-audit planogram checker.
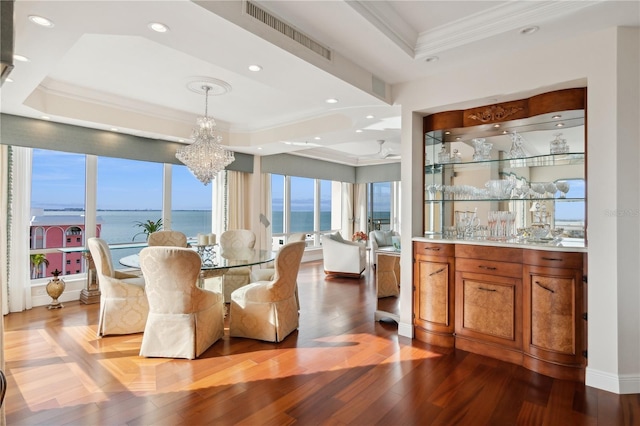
(123, 302)
(184, 320)
(379, 239)
(343, 257)
(167, 238)
(267, 310)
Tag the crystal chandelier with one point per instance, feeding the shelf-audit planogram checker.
(205, 157)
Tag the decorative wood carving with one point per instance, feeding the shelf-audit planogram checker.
(494, 113)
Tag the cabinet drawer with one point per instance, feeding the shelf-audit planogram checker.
(503, 269)
(501, 254)
(433, 249)
(553, 259)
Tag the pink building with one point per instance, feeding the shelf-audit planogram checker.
(54, 232)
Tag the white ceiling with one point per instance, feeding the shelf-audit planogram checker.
(101, 66)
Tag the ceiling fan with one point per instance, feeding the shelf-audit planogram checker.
(384, 153)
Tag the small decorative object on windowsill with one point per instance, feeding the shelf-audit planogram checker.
(55, 287)
(359, 237)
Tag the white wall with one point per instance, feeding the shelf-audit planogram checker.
(607, 63)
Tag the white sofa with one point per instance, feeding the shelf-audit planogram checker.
(343, 257)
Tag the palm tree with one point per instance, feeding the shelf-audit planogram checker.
(148, 227)
(36, 261)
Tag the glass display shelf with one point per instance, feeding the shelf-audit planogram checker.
(565, 159)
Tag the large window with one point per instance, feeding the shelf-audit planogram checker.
(190, 203)
(277, 204)
(129, 192)
(302, 205)
(298, 204)
(57, 212)
(380, 206)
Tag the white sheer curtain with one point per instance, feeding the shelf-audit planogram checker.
(219, 207)
(4, 226)
(17, 286)
(238, 200)
(264, 237)
(347, 209)
(360, 207)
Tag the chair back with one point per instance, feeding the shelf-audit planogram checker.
(300, 236)
(101, 256)
(171, 274)
(287, 265)
(237, 238)
(167, 238)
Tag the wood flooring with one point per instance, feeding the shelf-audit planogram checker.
(340, 368)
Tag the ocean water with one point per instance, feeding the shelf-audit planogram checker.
(118, 226)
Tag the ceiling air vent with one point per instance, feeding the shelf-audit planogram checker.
(282, 27)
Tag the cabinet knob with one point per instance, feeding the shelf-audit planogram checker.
(489, 268)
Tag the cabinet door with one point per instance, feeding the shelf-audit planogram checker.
(432, 295)
(434, 300)
(487, 309)
(553, 314)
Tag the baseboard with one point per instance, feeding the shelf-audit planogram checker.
(405, 329)
(619, 384)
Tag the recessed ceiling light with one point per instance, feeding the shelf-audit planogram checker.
(431, 59)
(447, 132)
(20, 58)
(359, 131)
(45, 117)
(114, 129)
(158, 27)
(369, 116)
(40, 20)
(9, 80)
(255, 68)
(180, 140)
(317, 138)
(259, 148)
(458, 138)
(557, 116)
(529, 30)
(332, 101)
(496, 126)
(560, 125)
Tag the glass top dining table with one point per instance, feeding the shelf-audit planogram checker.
(214, 259)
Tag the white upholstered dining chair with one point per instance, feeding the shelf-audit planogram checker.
(123, 302)
(167, 238)
(235, 278)
(267, 310)
(184, 320)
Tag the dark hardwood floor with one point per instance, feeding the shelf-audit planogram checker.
(339, 368)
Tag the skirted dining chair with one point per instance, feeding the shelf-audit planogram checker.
(167, 238)
(184, 320)
(266, 274)
(123, 302)
(267, 310)
(235, 278)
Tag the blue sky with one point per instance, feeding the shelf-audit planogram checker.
(58, 182)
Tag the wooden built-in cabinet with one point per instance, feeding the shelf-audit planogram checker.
(520, 305)
(434, 293)
(554, 314)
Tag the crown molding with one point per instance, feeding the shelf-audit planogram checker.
(382, 16)
(491, 22)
